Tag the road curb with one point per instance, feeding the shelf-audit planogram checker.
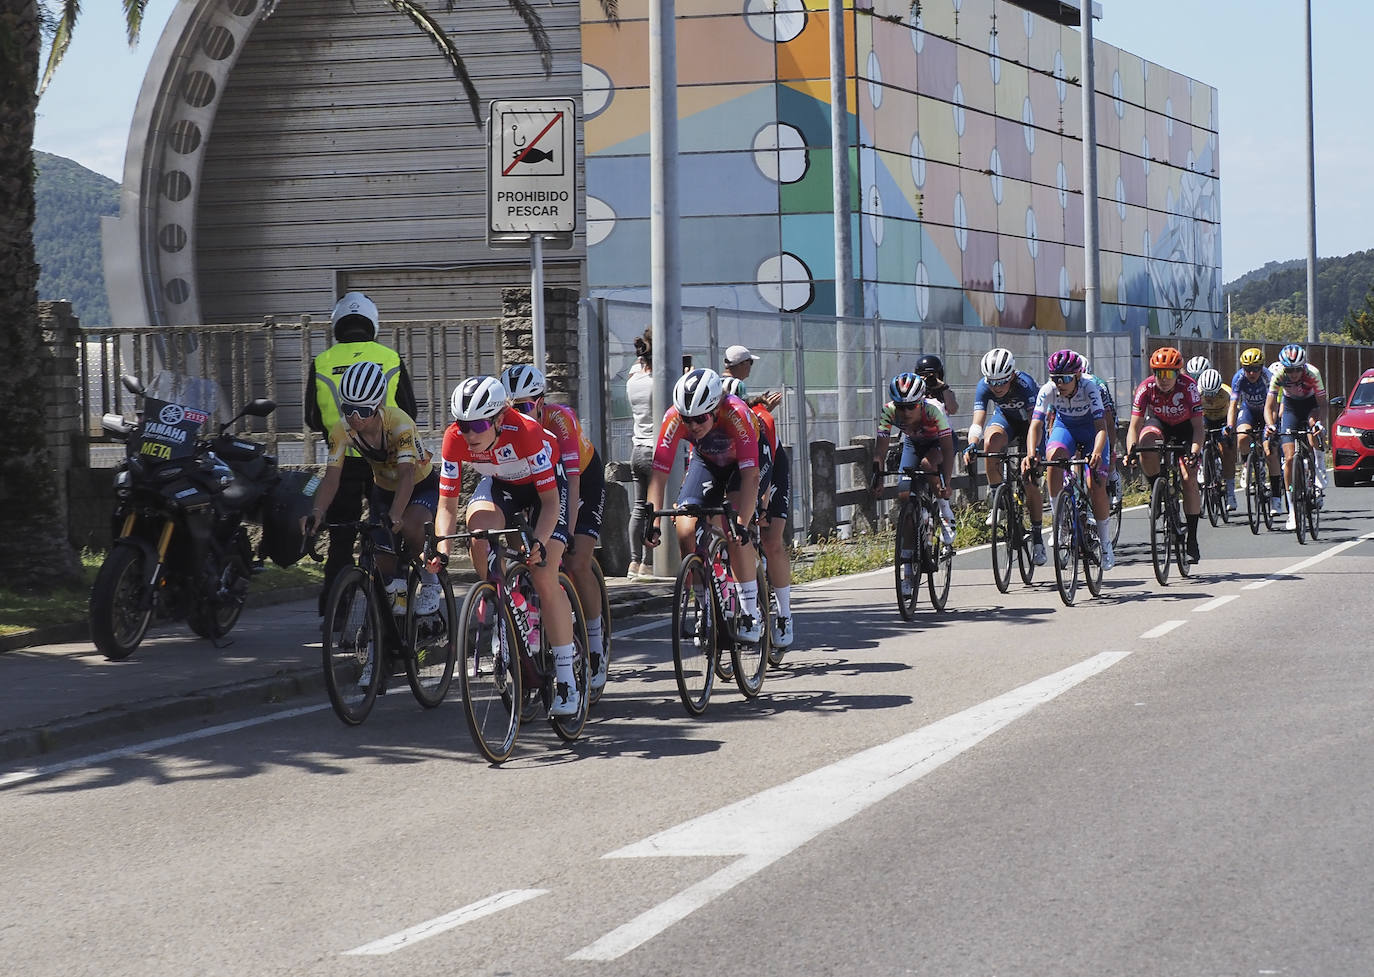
(143, 715)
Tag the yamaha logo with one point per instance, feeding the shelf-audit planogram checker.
(172, 414)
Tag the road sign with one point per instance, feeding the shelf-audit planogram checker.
(531, 167)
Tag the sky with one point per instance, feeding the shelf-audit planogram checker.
(1252, 51)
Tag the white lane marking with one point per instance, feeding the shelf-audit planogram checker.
(662, 622)
(1215, 602)
(19, 776)
(1302, 565)
(765, 827)
(1159, 630)
(446, 922)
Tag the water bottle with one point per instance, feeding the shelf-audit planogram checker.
(396, 590)
(522, 611)
(532, 614)
(724, 585)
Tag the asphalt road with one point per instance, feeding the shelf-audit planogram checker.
(1012, 787)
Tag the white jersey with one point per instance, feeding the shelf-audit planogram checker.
(1080, 409)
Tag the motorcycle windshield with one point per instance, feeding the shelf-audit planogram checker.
(175, 408)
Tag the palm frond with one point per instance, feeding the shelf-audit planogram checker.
(133, 18)
(422, 19)
(611, 8)
(61, 40)
(535, 25)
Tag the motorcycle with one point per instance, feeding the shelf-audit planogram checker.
(181, 549)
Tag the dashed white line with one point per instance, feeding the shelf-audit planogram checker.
(1159, 630)
(446, 922)
(1302, 565)
(759, 830)
(1215, 602)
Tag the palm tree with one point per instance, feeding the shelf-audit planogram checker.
(33, 538)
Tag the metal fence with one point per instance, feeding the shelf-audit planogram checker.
(834, 373)
(272, 360)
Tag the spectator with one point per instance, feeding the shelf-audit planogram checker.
(739, 363)
(639, 387)
(354, 325)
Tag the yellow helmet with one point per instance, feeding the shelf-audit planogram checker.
(1253, 356)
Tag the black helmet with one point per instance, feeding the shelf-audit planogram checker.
(931, 365)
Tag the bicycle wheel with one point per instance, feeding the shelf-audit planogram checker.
(352, 646)
(489, 672)
(1314, 512)
(1115, 503)
(1065, 548)
(431, 643)
(694, 634)
(1161, 547)
(1266, 497)
(1025, 555)
(906, 564)
(940, 566)
(599, 659)
(1178, 533)
(1090, 546)
(1299, 501)
(1004, 535)
(751, 660)
(1256, 477)
(1214, 494)
(569, 728)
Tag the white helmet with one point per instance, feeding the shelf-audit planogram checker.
(1197, 366)
(523, 382)
(478, 398)
(732, 385)
(362, 385)
(357, 309)
(697, 392)
(998, 366)
(1210, 382)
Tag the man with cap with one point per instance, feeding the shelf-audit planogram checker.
(354, 324)
(739, 363)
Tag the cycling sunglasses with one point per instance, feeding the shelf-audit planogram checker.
(696, 420)
(475, 427)
(527, 406)
(1165, 374)
(358, 410)
(911, 406)
(1252, 369)
(1062, 377)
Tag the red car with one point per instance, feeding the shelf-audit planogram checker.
(1353, 438)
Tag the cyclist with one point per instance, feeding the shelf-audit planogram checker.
(1011, 395)
(586, 475)
(1216, 408)
(725, 462)
(1295, 393)
(931, 369)
(1249, 390)
(405, 484)
(1166, 408)
(927, 442)
(1108, 416)
(775, 492)
(518, 472)
(1080, 427)
(1197, 366)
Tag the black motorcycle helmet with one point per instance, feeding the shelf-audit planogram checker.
(931, 365)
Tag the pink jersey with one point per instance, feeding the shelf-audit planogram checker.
(732, 439)
(575, 450)
(522, 455)
(1180, 404)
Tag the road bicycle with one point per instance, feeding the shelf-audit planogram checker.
(1011, 533)
(1116, 492)
(1257, 496)
(1074, 532)
(708, 613)
(1306, 501)
(920, 550)
(505, 668)
(1213, 482)
(595, 656)
(365, 635)
(1168, 526)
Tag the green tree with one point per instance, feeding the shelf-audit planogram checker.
(32, 537)
(1359, 324)
(1270, 327)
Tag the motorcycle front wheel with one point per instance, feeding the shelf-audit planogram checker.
(120, 611)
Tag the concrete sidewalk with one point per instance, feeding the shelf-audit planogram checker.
(64, 693)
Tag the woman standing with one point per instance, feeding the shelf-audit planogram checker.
(639, 387)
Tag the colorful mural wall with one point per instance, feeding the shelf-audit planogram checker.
(966, 163)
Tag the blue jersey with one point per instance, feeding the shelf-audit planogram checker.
(1016, 404)
(1107, 403)
(1251, 393)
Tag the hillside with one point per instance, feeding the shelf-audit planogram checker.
(70, 201)
(1342, 284)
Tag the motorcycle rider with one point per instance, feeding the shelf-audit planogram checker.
(354, 325)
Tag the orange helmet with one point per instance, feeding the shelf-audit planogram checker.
(1166, 358)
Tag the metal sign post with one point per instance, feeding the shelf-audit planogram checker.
(532, 186)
